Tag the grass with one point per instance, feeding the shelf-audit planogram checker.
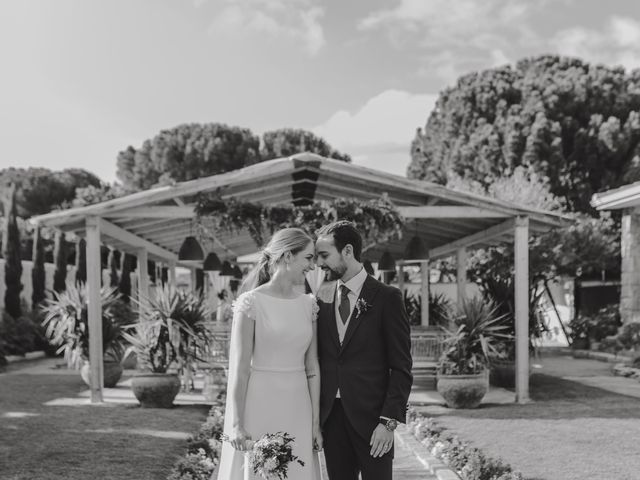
(570, 431)
(82, 442)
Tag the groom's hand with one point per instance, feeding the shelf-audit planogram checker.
(381, 441)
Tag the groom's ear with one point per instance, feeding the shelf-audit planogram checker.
(348, 250)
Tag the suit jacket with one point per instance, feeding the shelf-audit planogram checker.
(372, 367)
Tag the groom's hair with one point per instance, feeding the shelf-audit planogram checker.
(344, 233)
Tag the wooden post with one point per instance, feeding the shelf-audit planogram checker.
(193, 280)
(424, 292)
(521, 259)
(172, 274)
(94, 301)
(461, 275)
(143, 275)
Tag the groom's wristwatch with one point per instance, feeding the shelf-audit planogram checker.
(389, 423)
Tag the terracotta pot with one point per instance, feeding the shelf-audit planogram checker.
(155, 390)
(112, 373)
(463, 391)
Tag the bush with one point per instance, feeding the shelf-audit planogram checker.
(596, 327)
(203, 451)
(19, 334)
(440, 309)
(469, 462)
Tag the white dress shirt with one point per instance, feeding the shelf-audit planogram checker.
(355, 287)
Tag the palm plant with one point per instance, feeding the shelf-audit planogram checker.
(172, 327)
(473, 336)
(67, 323)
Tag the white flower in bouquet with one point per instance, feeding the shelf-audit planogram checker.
(271, 455)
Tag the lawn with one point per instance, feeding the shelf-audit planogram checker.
(82, 442)
(570, 431)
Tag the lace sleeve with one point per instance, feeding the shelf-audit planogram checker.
(315, 308)
(244, 304)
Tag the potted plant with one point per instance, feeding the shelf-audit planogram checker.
(472, 337)
(172, 331)
(67, 325)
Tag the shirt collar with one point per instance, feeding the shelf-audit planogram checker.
(355, 283)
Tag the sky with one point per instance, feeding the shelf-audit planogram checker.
(80, 80)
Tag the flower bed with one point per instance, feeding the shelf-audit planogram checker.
(203, 450)
(469, 462)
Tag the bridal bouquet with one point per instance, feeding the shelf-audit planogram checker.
(271, 455)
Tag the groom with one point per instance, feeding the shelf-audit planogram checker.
(365, 361)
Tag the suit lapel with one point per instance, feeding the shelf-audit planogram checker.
(331, 322)
(368, 292)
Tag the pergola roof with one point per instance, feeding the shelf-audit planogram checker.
(159, 219)
(626, 196)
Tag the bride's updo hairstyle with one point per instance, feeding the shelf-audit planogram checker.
(292, 240)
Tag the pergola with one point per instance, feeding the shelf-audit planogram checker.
(152, 225)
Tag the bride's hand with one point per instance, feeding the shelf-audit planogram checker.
(239, 439)
(317, 439)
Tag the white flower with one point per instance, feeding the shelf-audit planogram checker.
(271, 464)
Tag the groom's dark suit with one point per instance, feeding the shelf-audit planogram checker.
(372, 370)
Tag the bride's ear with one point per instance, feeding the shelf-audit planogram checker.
(287, 257)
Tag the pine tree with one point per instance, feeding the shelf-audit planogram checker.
(11, 254)
(38, 284)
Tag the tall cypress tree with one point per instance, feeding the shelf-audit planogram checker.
(81, 261)
(125, 276)
(112, 264)
(38, 277)
(11, 254)
(60, 260)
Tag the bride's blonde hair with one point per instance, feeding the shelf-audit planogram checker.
(292, 240)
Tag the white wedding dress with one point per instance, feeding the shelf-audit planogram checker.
(278, 397)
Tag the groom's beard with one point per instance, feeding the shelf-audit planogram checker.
(333, 274)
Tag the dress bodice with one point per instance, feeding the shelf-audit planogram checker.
(283, 329)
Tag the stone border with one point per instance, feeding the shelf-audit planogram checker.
(431, 463)
(27, 356)
(600, 356)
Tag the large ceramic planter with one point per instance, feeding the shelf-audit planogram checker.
(112, 373)
(502, 373)
(155, 390)
(462, 391)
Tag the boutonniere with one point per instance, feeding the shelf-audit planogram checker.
(361, 307)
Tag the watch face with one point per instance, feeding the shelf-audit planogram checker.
(392, 424)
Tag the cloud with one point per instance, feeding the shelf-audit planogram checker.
(455, 36)
(294, 20)
(617, 43)
(379, 134)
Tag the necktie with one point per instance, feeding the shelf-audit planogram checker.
(345, 307)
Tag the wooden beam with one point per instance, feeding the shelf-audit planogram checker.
(482, 236)
(111, 230)
(172, 274)
(424, 293)
(94, 283)
(164, 211)
(521, 287)
(450, 211)
(143, 275)
(461, 275)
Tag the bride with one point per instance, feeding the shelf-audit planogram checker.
(274, 378)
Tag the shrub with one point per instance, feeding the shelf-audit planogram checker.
(18, 334)
(469, 462)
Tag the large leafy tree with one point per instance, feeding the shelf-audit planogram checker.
(575, 123)
(186, 152)
(39, 190)
(289, 141)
